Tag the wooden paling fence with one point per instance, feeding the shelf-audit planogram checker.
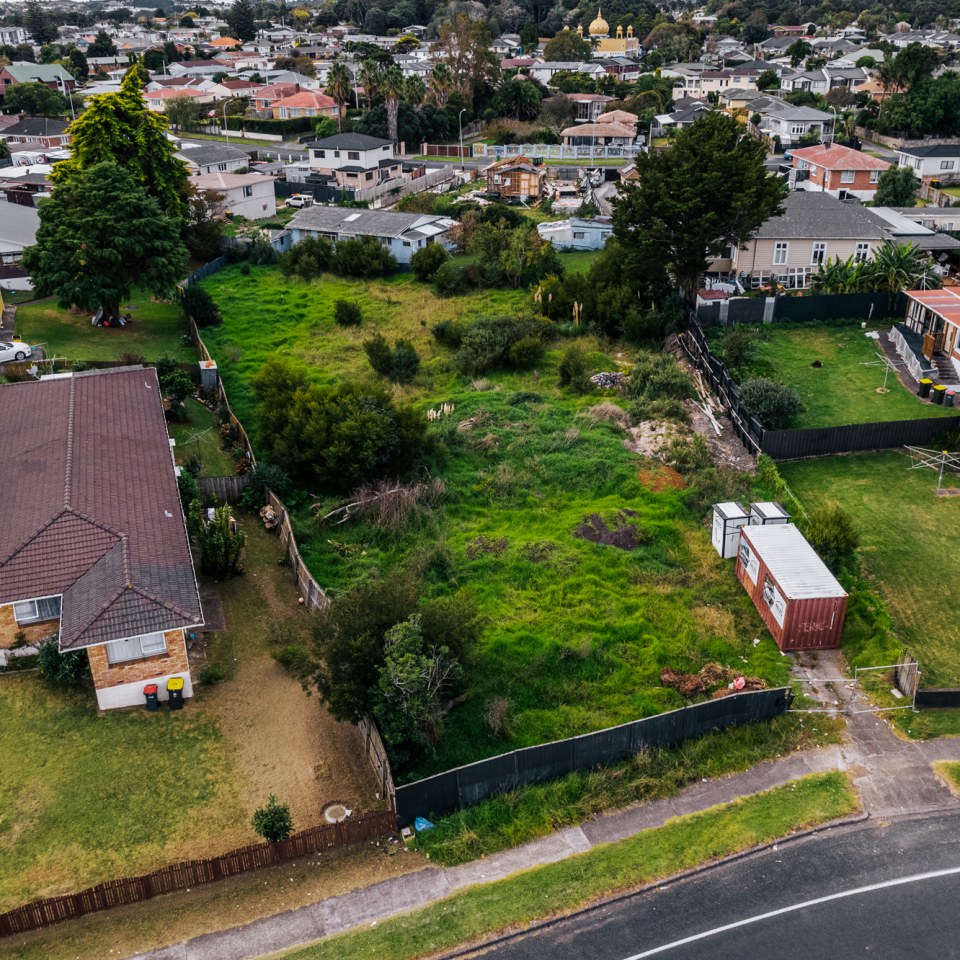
(225, 489)
(192, 873)
(314, 596)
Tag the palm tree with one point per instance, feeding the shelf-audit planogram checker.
(414, 91)
(369, 78)
(520, 99)
(338, 87)
(836, 276)
(391, 86)
(895, 267)
(440, 84)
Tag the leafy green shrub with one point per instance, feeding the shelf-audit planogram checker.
(774, 404)
(307, 259)
(523, 397)
(295, 658)
(657, 376)
(220, 541)
(273, 820)
(363, 257)
(65, 671)
(188, 487)
(197, 303)
(379, 354)
(261, 253)
(176, 387)
(831, 533)
(738, 345)
(427, 261)
(574, 370)
(451, 278)
(448, 332)
(526, 352)
(486, 343)
(211, 675)
(263, 477)
(405, 362)
(347, 313)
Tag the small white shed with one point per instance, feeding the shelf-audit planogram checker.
(763, 514)
(728, 518)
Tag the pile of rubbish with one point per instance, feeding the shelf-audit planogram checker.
(722, 681)
(607, 380)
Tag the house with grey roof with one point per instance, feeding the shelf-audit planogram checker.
(50, 74)
(94, 553)
(403, 234)
(934, 161)
(212, 157)
(790, 248)
(791, 125)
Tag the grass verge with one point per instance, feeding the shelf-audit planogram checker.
(156, 330)
(514, 818)
(949, 772)
(562, 887)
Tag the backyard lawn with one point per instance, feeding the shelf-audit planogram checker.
(156, 331)
(842, 389)
(199, 437)
(577, 632)
(908, 537)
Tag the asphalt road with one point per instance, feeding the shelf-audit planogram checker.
(883, 891)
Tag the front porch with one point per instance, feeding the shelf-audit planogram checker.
(928, 340)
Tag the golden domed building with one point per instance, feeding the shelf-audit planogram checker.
(621, 45)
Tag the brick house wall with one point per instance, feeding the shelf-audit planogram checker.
(174, 661)
(33, 632)
(833, 180)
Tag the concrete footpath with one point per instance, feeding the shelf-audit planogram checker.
(894, 778)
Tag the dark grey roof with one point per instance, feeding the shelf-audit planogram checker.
(349, 141)
(206, 153)
(808, 215)
(933, 150)
(36, 127)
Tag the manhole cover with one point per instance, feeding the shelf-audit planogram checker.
(335, 813)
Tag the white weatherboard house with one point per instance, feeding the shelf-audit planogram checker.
(249, 195)
(576, 233)
(401, 233)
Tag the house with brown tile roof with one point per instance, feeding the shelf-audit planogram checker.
(93, 544)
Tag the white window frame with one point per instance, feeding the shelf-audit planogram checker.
(136, 648)
(248, 191)
(818, 254)
(29, 610)
(874, 176)
(848, 176)
(781, 253)
(946, 164)
(862, 253)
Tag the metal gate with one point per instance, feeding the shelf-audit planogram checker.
(906, 679)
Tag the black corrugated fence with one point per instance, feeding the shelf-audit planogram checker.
(806, 309)
(464, 786)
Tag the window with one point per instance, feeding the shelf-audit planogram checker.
(36, 611)
(813, 169)
(369, 175)
(946, 164)
(406, 243)
(863, 251)
(248, 191)
(798, 129)
(874, 176)
(578, 234)
(780, 251)
(353, 155)
(221, 166)
(319, 154)
(136, 648)
(847, 176)
(819, 254)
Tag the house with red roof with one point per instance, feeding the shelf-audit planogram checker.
(94, 552)
(306, 103)
(838, 170)
(267, 96)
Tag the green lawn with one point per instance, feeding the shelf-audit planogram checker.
(953, 191)
(559, 888)
(156, 330)
(199, 436)
(908, 536)
(576, 633)
(842, 390)
(579, 261)
(85, 798)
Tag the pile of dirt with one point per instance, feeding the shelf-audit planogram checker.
(660, 477)
(623, 535)
(651, 437)
(714, 676)
(483, 545)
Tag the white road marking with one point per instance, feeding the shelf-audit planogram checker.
(886, 884)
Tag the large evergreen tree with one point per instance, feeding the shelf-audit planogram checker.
(39, 25)
(101, 234)
(118, 127)
(240, 20)
(709, 190)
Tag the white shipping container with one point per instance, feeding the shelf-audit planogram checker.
(762, 514)
(728, 518)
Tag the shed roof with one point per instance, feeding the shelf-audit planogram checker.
(793, 563)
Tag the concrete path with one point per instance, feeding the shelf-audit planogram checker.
(893, 777)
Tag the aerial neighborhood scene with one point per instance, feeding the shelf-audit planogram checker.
(480, 479)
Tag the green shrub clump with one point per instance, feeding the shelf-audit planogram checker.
(574, 370)
(307, 259)
(399, 365)
(774, 404)
(363, 257)
(347, 313)
(830, 531)
(427, 261)
(487, 343)
(65, 671)
(197, 303)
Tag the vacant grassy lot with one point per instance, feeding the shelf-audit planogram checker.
(908, 536)
(842, 390)
(199, 436)
(576, 632)
(561, 887)
(155, 331)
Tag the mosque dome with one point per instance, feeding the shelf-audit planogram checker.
(599, 27)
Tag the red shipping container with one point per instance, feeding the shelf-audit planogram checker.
(799, 599)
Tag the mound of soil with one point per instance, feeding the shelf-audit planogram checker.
(713, 675)
(624, 535)
(483, 545)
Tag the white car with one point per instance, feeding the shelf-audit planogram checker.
(16, 350)
(299, 200)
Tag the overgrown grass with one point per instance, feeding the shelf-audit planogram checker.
(156, 330)
(199, 437)
(949, 772)
(842, 390)
(85, 798)
(908, 535)
(531, 812)
(561, 887)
